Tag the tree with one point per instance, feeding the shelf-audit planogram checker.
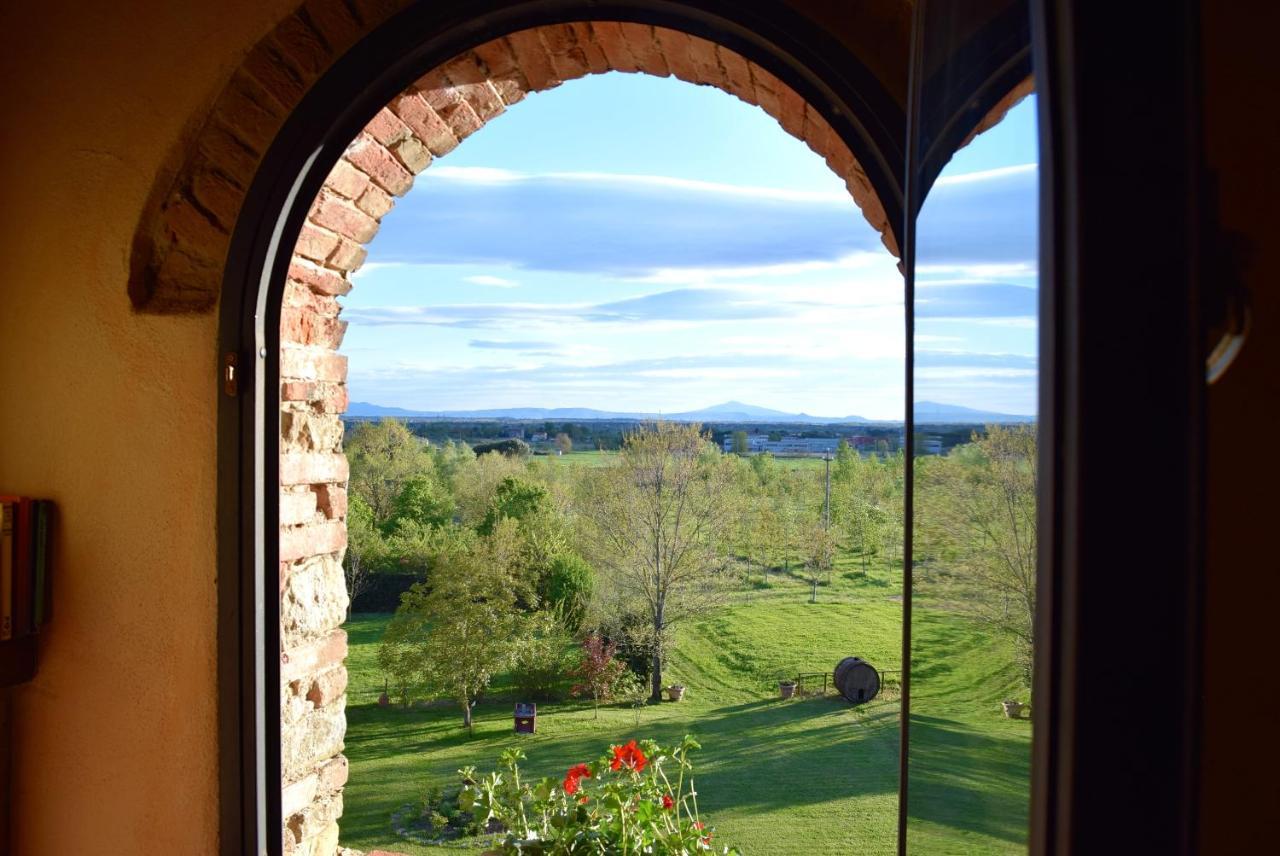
(449, 638)
(564, 443)
(598, 671)
(820, 550)
(740, 445)
(567, 589)
(655, 517)
(364, 543)
(977, 519)
(423, 501)
(383, 456)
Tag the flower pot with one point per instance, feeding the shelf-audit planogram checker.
(383, 700)
(787, 689)
(1012, 709)
(675, 693)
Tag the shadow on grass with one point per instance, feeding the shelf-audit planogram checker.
(965, 779)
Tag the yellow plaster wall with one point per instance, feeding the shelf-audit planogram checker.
(112, 415)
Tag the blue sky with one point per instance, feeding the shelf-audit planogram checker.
(627, 242)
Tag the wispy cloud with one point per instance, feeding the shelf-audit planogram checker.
(494, 281)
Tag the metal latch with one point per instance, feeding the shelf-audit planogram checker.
(230, 375)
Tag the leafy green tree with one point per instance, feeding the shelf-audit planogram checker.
(449, 638)
(423, 501)
(568, 587)
(564, 443)
(740, 445)
(515, 499)
(383, 456)
(365, 550)
(977, 519)
(655, 519)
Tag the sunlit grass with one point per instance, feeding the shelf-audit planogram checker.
(812, 776)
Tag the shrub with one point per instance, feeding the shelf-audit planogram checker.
(637, 798)
(511, 448)
(598, 671)
(542, 659)
(569, 585)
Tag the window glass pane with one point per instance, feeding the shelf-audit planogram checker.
(974, 514)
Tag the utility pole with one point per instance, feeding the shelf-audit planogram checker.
(826, 505)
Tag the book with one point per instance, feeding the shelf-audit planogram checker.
(40, 594)
(7, 510)
(23, 568)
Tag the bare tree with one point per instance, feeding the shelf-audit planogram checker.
(655, 519)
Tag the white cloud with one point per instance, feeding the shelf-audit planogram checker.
(986, 174)
(495, 281)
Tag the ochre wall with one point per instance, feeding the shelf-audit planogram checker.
(111, 414)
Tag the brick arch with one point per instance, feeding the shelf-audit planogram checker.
(425, 121)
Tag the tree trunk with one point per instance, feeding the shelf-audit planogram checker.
(466, 716)
(658, 626)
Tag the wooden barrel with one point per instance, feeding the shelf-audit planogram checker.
(856, 679)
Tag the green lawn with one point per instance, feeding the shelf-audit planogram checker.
(806, 777)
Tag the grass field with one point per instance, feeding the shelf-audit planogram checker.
(812, 776)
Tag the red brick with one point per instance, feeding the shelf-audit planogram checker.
(498, 61)
(608, 35)
(597, 62)
(375, 161)
(313, 364)
(483, 98)
(339, 215)
(387, 128)
(532, 58)
(413, 154)
(425, 124)
(306, 660)
(568, 60)
(315, 244)
(302, 45)
(312, 468)
(303, 327)
(333, 398)
(279, 77)
(247, 108)
(644, 47)
(766, 88)
(461, 119)
(332, 500)
(297, 390)
(791, 112)
(327, 687)
(706, 62)
(737, 74)
(301, 542)
(346, 181)
(318, 279)
(298, 295)
(677, 52)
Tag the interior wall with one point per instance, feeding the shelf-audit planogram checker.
(112, 415)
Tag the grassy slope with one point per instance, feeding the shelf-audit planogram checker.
(804, 777)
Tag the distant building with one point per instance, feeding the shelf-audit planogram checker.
(788, 446)
(538, 437)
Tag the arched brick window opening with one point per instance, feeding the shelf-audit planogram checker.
(427, 121)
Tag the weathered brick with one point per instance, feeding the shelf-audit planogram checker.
(568, 60)
(532, 58)
(791, 112)
(247, 108)
(608, 35)
(597, 62)
(297, 796)
(766, 89)
(297, 507)
(303, 327)
(345, 180)
(305, 468)
(331, 499)
(387, 128)
(333, 774)
(375, 161)
(278, 76)
(315, 244)
(327, 686)
(737, 74)
(375, 202)
(461, 119)
(300, 542)
(706, 62)
(676, 51)
(314, 739)
(314, 600)
(312, 657)
(299, 295)
(217, 193)
(319, 279)
(341, 216)
(348, 257)
(413, 154)
(644, 47)
(297, 390)
(312, 364)
(306, 431)
(426, 125)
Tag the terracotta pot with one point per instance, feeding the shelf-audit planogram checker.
(787, 689)
(675, 693)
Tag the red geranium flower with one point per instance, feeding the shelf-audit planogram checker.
(629, 756)
(573, 778)
(584, 799)
(667, 801)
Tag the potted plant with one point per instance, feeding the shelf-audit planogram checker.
(787, 688)
(675, 692)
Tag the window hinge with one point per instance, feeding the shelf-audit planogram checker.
(230, 374)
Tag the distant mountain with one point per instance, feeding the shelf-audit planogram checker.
(933, 413)
(927, 412)
(729, 411)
